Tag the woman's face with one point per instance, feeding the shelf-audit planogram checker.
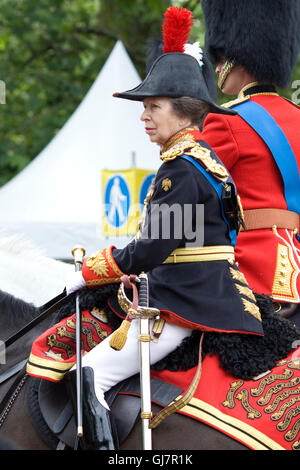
(160, 120)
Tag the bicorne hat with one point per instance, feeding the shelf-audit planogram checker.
(263, 36)
(179, 70)
(155, 49)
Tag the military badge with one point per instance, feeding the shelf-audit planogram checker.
(166, 184)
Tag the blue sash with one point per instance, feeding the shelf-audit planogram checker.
(270, 132)
(217, 185)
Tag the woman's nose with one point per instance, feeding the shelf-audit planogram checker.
(144, 116)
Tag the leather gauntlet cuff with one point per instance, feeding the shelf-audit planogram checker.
(101, 269)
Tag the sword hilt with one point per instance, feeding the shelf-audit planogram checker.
(143, 291)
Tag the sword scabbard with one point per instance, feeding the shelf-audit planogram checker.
(145, 379)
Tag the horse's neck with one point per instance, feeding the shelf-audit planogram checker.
(14, 315)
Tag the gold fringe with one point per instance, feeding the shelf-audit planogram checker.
(119, 337)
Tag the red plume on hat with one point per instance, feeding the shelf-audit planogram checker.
(176, 29)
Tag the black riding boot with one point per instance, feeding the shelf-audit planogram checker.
(97, 431)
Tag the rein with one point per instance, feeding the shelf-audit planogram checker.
(12, 395)
(12, 371)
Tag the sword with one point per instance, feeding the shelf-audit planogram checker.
(144, 353)
(78, 253)
(138, 309)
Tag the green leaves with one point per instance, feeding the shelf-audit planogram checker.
(48, 60)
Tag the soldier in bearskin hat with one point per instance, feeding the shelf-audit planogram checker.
(255, 45)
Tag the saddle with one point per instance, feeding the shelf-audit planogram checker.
(52, 411)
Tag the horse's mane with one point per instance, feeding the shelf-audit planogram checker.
(16, 310)
(27, 273)
(18, 244)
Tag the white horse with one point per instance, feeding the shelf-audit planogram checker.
(27, 273)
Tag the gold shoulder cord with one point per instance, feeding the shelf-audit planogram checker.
(236, 101)
(188, 146)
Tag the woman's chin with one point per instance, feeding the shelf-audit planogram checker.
(153, 139)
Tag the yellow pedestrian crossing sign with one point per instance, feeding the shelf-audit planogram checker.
(123, 194)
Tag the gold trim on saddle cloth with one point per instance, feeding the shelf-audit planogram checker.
(203, 253)
(234, 427)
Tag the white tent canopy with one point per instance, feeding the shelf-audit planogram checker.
(56, 200)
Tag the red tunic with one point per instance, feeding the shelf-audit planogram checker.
(269, 259)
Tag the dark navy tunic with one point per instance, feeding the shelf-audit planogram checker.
(205, 295)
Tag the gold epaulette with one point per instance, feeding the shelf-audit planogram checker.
(232, 103)
(177, 150)
(201, 154)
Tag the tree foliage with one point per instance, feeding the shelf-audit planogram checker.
(50, 54)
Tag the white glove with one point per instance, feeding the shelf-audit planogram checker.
(74, 282)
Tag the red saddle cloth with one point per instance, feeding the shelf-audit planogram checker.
(263, 413)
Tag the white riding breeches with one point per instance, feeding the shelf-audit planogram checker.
(111, 366)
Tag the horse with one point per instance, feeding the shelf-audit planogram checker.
(17, 426)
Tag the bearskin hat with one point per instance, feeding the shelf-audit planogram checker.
(263, 36)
